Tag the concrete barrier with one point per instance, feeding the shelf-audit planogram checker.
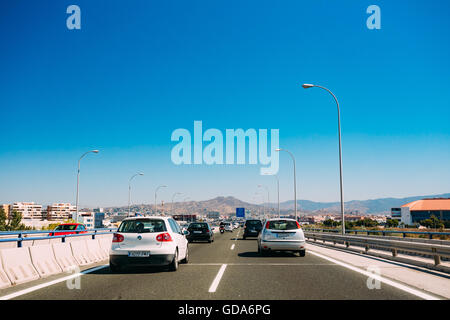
(17, 265)
(63, 256)
(81, 253)
(44, 261)
(4, 280)
(95, 250)
(105, 245)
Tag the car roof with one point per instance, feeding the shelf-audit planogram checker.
(147, 217)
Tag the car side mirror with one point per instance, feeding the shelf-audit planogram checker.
(186, 233)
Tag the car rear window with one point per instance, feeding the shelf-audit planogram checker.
(282, 225)
(198, 226)
(66, 227)
(142, 226)
(253, 223)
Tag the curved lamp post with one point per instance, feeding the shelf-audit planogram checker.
(129, 190)
(295, 181)
(174, 195)
(156, 191)
(78, 182)
(307, 86)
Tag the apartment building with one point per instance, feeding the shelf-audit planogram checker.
(60, 211)
(29, 210)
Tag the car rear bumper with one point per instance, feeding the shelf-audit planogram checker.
(283, 245)
(153, 260)
(251, 233)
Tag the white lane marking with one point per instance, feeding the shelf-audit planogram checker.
(50, 283)
(262, 264)
(394, 284)
(216, 281)
(232, 247)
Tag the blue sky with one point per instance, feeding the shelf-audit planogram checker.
(138, 70)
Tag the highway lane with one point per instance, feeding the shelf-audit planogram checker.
(246, 275)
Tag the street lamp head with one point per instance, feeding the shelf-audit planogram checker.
(95, 151)
(141, 174)
(307, 85)
(278, 149)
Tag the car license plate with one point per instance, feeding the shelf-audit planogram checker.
(283, 235)
(197, 232)
(139, 254)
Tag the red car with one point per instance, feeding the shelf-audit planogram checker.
(69, 228)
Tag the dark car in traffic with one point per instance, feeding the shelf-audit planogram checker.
(252, 228)
(200, 231)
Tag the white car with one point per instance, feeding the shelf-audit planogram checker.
(281, 235)
(228, 226)
(142, 241)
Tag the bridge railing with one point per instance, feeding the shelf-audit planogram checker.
(30, 235)
(428, 249)
(382, 232)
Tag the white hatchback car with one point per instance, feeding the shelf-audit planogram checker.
(142, 241)
(281, 235)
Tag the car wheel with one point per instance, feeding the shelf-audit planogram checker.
(302, 253)
(186, 258)
(114, 268)
(173, 266)
(264, 253)
(244, 237)
(259, 249)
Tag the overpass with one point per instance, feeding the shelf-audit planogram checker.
(227, 269)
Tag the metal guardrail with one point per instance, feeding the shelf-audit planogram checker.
(22, 235)
(382, 232)
(435, 250)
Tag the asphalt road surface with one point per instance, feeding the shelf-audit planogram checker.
(228, 268)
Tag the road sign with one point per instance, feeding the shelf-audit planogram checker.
(240, 212)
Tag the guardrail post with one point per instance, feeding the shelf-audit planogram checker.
(394, 252)
(404, 235)
(437, 258)
(347, 244)
(63, 239)
(384, 233)
(367, 248)
(93, 236)
(430, 236)
(19, 242)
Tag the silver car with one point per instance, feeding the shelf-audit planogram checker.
(281, 235)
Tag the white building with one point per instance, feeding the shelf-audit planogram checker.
(87, 218)
(60, 211)
(29, 210)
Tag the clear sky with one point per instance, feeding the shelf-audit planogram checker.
(137, 70)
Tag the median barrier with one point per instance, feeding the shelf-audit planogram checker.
(105, 245)
(17, 265)
(43, 259)
(63, 256)
(81, 253)
(4, 280)
(95, 250)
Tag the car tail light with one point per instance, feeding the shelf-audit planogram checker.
(298, 225)
(163, 237)
(267, 224)
(117, 237)
(207, 230)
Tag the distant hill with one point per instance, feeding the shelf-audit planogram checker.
(226, 205)
(382, 205)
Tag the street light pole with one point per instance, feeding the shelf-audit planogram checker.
(268, 198)
(278, 192)
(78, 182)
(129, 190)
(295, 181)
(156, 191)
(307, 86)
(174, 195)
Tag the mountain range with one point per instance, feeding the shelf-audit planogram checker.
(229, 204)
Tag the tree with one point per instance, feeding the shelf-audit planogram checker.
(3, 219)
(392, 223)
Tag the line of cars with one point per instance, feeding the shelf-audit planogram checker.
(160, 241)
